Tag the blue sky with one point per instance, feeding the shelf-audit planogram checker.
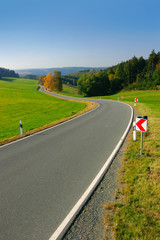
(63, 33)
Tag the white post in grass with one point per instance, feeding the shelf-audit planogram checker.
(21, 128)
(134, 131)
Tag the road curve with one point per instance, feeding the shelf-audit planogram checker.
(42, 177)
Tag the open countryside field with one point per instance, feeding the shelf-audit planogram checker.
(20, 100)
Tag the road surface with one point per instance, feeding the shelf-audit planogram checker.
(43, 176)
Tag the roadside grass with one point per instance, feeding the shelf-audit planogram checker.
(136, 215)
(20, 100)
(70, 91)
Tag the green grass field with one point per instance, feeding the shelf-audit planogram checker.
(150, 98)
(137, 214)
(70, 91)
(20, 100)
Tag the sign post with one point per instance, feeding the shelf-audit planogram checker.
(141, 144)
(141, 125)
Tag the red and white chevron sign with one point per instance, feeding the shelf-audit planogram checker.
(141, 124)
(136, 99)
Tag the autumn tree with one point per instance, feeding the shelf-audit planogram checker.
(53, 82)
(56, 82)
(47, 80)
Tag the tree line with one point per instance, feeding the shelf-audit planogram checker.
(8, 73)
(72, 78)
(136, 73)
(52, 82)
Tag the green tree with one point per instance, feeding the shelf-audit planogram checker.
(156, 74)
(141, 64)
(120, 72)
(127, 71)
(152, 61)
(94, 84)
(134, 69)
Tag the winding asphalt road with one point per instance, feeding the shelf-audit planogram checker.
(43, 176)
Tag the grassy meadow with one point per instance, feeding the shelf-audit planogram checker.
(137, 213)
(20, 100)
(70, 91)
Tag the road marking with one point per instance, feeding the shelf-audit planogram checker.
(61, 230)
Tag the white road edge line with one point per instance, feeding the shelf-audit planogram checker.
(61, 230)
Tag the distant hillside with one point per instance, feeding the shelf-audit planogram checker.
(45, 71)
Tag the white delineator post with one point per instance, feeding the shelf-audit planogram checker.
(135, 101)
(134, 131)
(21, 128)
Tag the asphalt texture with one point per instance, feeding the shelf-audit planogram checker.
(43, 176)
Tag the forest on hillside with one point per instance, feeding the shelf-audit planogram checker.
(134, 74)
(72, 78)
(8, 73)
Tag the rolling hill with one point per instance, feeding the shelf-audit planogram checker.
(45, 71)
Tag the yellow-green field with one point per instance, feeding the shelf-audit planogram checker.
(20, 100)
